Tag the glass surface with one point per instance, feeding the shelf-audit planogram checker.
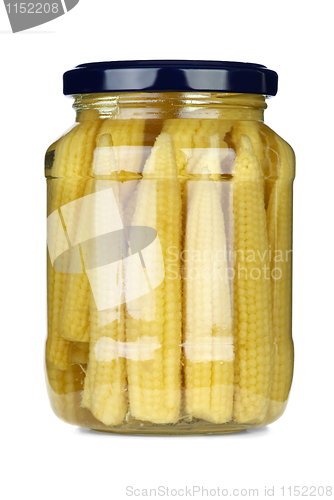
(169, 269)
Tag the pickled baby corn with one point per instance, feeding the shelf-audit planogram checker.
(109, 158)
(127, 137)
(280, 240)
(208, 317)
(182, 131)
(105, 384)
(74, 321)
(127, 140)
(154, 383)
(252, 290)
(73, 159)
(263, 144)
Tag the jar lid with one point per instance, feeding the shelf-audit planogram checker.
(170, 76)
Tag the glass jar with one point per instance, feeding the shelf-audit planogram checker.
(169, 251)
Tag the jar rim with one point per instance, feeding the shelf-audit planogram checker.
(170, 76)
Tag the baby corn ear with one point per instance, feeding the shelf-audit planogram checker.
(207, 306)
(73, 162)
(182, 131)
(252, 290)
(74, 322)
(262, 139)
(105, 384)
(127, 138)
(280, 239)
(154, 320)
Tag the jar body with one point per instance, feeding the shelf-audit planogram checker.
(169, 269)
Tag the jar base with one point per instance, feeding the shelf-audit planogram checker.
(176, 430)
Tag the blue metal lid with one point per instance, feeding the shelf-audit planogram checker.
(170, 76)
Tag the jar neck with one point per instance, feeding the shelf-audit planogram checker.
(167, 105)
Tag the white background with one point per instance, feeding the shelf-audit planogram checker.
(47, 459)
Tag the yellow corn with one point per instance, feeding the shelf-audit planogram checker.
(127, 139)
(211, 159)
(105, 384)
(73, 161)
(186, 134)
(182, 131)
(263, 144)
(270, 162)
(74, 313)
(208, 315)
(252, 290)
(202, 139)
(109, 158)
(104, 390)
(57, 349)
(154, 320)
(252, 130)
(74, 322)
(280, 240)
(65, 381)
(190, 136)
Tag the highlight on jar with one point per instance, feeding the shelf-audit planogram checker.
(169, 235)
